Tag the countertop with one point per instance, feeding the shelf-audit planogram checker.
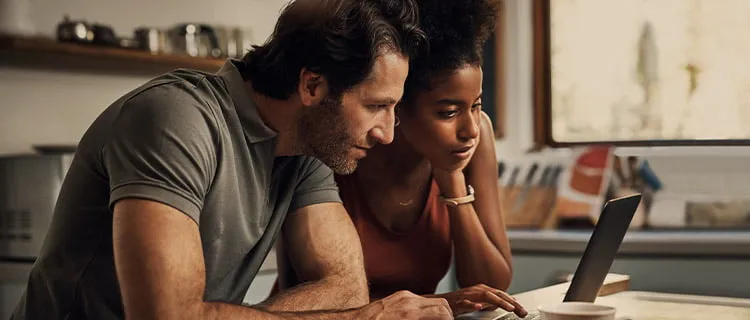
(693, 243)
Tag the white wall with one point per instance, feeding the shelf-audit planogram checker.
(41, 107)
(519, 91)
(518, 79)
(52, 107)
(519, 116)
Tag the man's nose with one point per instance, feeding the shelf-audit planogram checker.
(383, 131)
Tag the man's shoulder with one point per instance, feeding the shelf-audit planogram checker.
(176, 98)
(180, 95)
(181, 85)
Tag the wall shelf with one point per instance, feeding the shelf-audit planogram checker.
(47, 53)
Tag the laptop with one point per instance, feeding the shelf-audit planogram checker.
(600, 252)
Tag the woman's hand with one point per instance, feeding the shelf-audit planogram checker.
(452, 184)
(451, 180)
(481, 298)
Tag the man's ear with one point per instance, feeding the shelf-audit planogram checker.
(312, 87)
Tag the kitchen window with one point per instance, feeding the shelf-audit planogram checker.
(647, 72)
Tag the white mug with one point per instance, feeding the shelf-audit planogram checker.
(577, 311)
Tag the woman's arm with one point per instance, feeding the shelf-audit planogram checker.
(482, 250)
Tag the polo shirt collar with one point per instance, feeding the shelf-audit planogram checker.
(253, 125)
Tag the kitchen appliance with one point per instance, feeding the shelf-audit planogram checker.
(104, 35)
(153, 40)
(196, 40)
(74, 31)
(234, 42)
(29, 186)
(80, 31)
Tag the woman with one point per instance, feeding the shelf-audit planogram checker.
(399, 196)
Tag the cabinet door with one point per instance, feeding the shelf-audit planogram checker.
(702, 276)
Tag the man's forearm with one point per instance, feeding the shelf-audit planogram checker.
(221, 311)
(332, 293)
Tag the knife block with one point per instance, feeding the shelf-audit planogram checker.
(530, 212)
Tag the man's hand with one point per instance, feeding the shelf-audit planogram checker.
(481, 297)
(406, 305)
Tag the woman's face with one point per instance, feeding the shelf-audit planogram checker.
(442, 123)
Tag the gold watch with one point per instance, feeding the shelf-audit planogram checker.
(455, 202)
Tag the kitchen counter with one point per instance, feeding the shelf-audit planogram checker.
(693, 243)
(715, 261)
(663, 243)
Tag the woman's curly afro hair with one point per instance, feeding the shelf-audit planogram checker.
(456, 31)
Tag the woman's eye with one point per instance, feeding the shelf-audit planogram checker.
(476, 106)
(447, 114)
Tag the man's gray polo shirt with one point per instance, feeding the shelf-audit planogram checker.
(191, 140)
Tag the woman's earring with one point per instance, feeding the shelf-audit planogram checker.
(398, 121)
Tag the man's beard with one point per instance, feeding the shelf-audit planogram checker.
(324, 134)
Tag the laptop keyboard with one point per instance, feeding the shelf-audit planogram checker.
(533, 315)
(493, 315)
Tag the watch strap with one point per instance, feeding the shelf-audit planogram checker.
(454, 202)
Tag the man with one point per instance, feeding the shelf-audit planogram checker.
(178, 189)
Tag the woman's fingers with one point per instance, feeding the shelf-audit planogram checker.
(488, 307)
(490, 297)
(503, 300)
(466, 306)
(519, 309)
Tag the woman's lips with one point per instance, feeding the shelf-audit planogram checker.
(462, 153)
(463, 149)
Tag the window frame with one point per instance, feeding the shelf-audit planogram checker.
(542, 92)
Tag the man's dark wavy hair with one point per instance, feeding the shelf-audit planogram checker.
(339, 39)
(457, 31)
